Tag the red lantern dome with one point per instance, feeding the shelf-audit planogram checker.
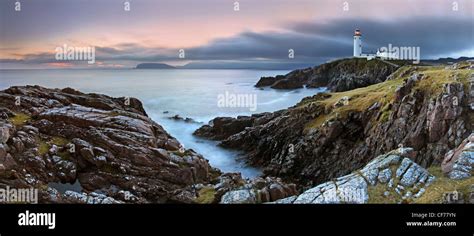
(357, 33)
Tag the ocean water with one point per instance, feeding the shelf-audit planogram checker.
(196, 94)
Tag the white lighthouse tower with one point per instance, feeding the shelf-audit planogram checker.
(357, 43)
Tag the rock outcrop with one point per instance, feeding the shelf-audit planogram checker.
(222, 127)
(258, 190)
(394, 171)
(108, 144)
(231, 188)
(186, 120)
(459, 163)
(331, 135)
(117, 154)
(340, 75)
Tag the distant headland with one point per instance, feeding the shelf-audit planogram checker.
(154, 66)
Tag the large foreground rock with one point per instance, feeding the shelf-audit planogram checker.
(231, 188)
(395, 171)
(459, 163)
(109, 145)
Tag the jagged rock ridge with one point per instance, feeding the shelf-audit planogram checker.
(107, 144)
(340, 75)
(111, 149)
(330, 135)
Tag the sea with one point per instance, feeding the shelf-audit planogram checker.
(198, 94)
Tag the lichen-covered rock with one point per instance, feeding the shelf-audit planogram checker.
(347, 189)
(4, 132)
(264, 190)
(353, 188)
(92, 198)
(459, 163)
(413, 174)
(239, 197)
(287, 200)
(384, 176)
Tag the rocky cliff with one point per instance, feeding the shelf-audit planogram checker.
(340, 75)
(91, 148)
(109, 145)
(332, 134)
(394, 178)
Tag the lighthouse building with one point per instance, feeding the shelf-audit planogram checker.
(357, 43)
(381, 53)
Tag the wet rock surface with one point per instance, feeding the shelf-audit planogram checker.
(222, 127)
(186, 120)
(108, 144)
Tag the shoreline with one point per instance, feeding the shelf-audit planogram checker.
(121, 146)
(110, 146)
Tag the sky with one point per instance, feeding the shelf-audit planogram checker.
(213, 31)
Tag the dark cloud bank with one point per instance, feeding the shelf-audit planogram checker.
(313, 43)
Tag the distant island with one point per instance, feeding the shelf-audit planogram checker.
(229, 65)
(154, 66)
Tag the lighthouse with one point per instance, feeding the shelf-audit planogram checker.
(357, 43)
